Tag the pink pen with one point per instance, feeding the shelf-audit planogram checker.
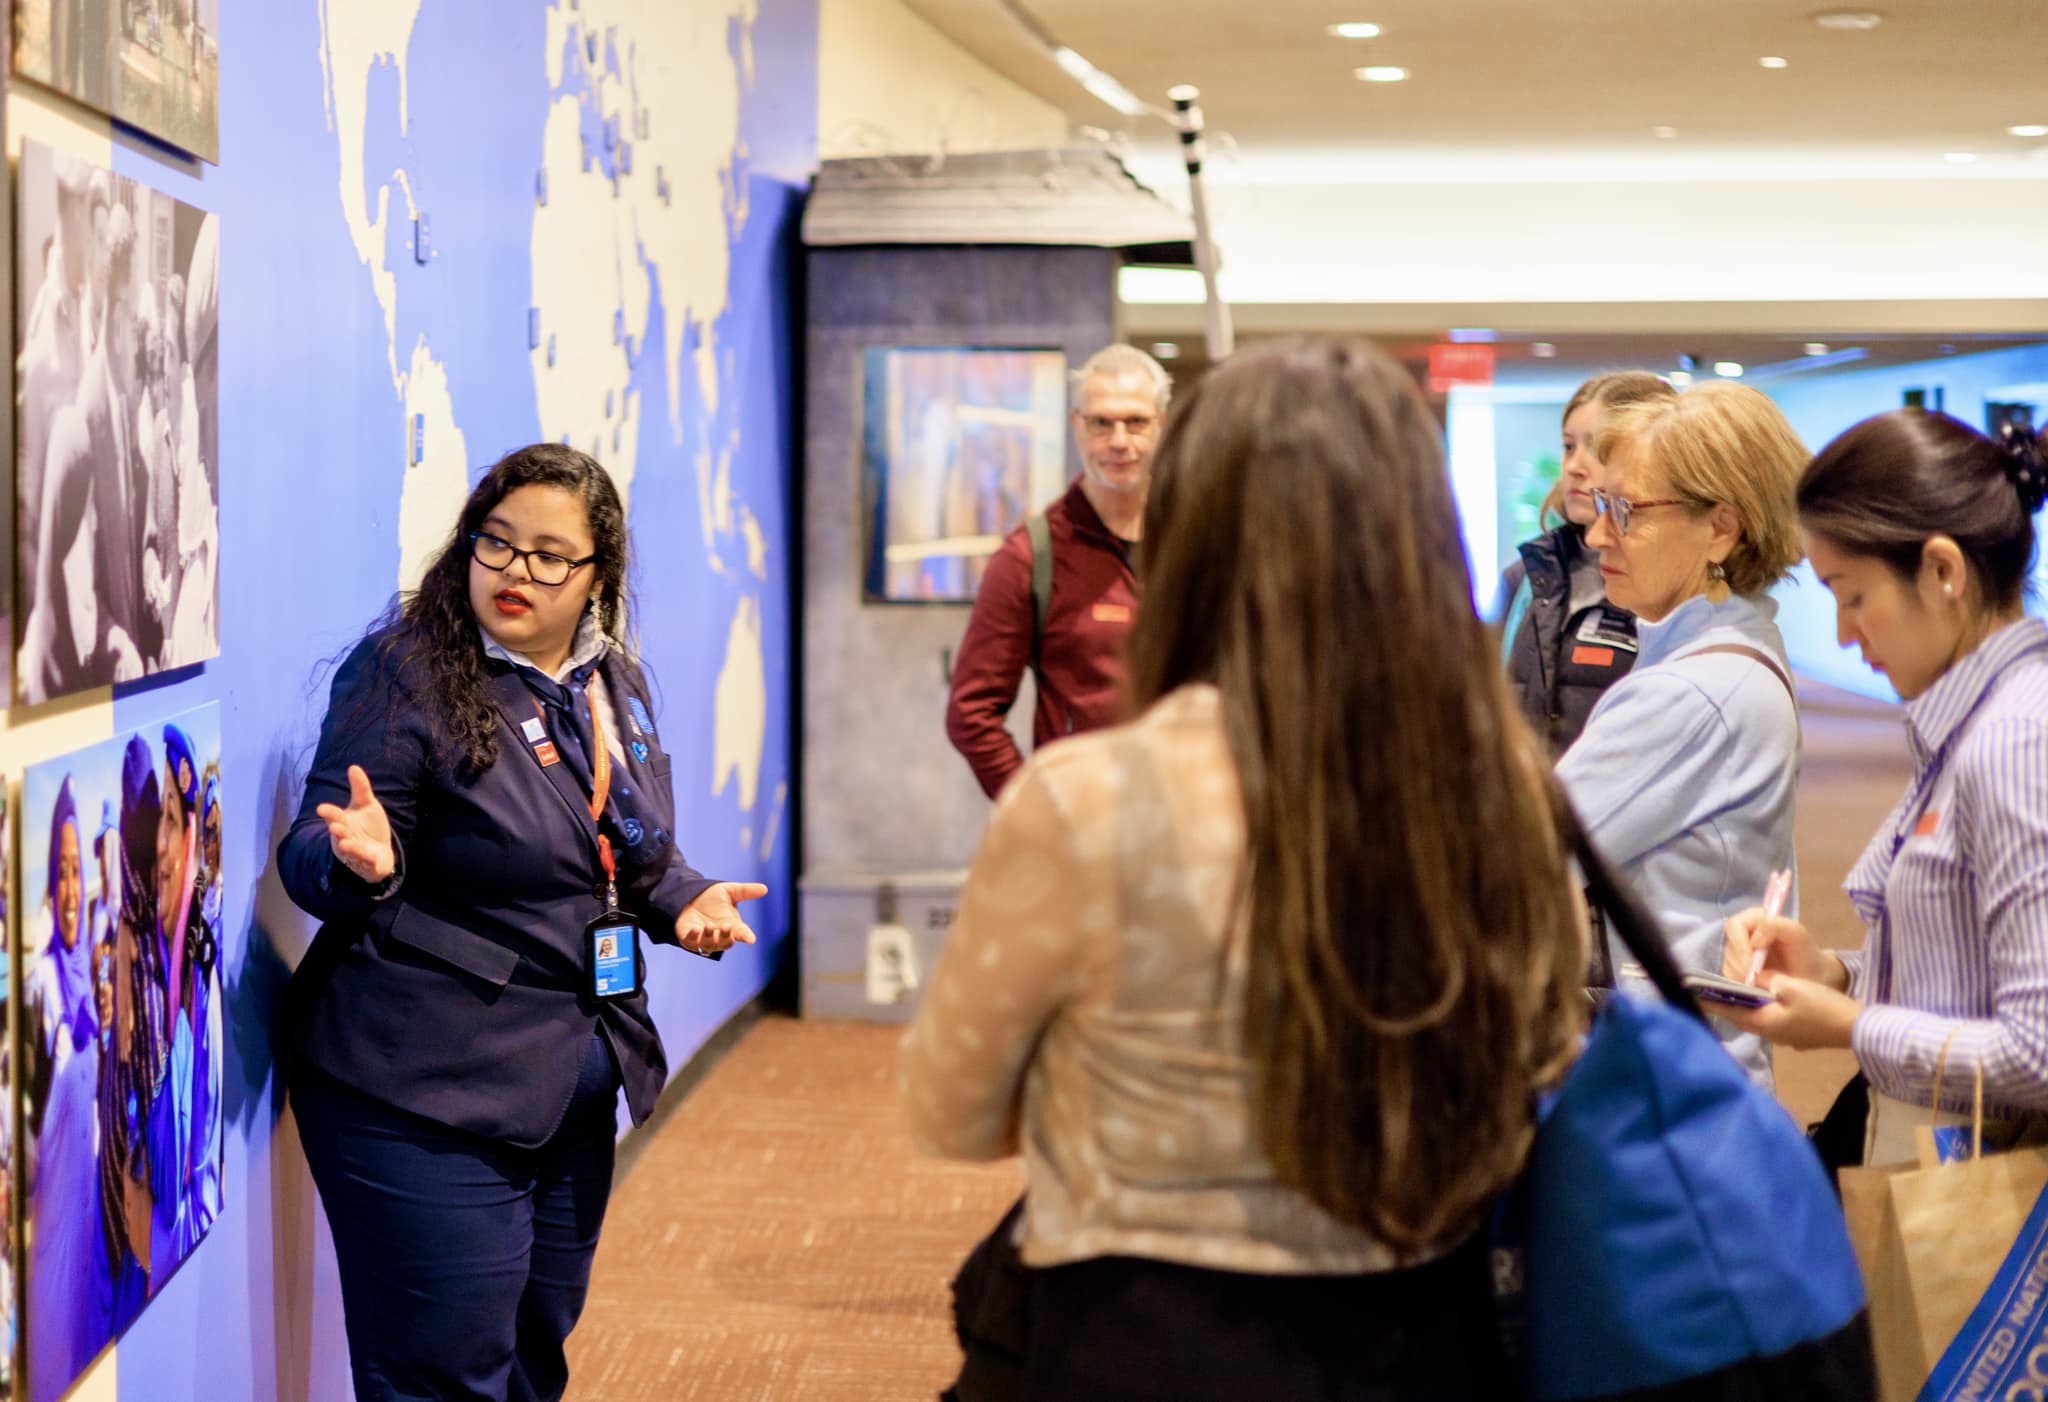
(1776, 890)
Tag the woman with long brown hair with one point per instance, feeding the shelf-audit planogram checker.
(1264, 982)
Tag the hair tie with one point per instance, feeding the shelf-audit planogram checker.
(2025, 467)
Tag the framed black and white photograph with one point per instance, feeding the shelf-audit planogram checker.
(154, 64)
(118, 428)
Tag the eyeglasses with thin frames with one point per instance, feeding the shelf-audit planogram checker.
(1621, 508)
(546, 567)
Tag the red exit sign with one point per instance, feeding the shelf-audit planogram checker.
(1459, 365)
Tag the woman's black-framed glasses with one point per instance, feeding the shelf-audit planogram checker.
(1621, 508)
(544, 566)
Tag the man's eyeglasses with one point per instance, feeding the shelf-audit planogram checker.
(545, 566)
(1137, 425)
(1621, 508)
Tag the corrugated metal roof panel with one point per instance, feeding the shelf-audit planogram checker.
(1078, 196)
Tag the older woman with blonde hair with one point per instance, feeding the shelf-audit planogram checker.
(1686, 770)
(1563, 641)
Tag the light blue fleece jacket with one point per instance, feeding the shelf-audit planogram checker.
(1684, 777)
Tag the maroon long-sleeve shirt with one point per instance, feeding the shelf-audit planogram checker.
(1080, 659)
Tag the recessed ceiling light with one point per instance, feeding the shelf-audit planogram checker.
(1680, 378)
(1728, 369)
(1165, 350)
(1543, 350)
(1664, 133)
(2027, 129)
(1355, 30)
(1816, 347)
(1773, 61)
(1383, 74)
(1961, 158)
(1848, 19)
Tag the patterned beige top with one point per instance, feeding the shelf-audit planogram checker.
(1082, 1011)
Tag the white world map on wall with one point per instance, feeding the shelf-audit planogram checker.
(636, 211)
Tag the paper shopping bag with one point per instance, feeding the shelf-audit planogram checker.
(1955, 1261)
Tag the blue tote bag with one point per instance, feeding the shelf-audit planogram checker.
(1673, 1235)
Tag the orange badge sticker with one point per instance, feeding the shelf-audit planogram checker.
(1112, 613)
(1929, 824)
(1592, 657)
(547, 754)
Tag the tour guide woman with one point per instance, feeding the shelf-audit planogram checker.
(460, 1036)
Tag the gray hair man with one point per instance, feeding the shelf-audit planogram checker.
(1061, 593)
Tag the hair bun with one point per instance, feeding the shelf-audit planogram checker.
(2025, 466)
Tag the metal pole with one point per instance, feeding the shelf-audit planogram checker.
(1216, 315)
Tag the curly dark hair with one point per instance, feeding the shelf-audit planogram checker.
(428, 640)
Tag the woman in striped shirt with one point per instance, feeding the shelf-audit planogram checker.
(1923, 530)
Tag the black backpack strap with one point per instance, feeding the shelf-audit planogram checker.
(1038, 531)
(1631, 923)
(1754, 654)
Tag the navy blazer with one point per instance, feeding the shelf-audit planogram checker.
(457, 990)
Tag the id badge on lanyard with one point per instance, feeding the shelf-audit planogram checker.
(612, 952)
(611, 943)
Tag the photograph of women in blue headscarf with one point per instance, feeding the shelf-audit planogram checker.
(8, 1322)
(62, 1028)
(122, 1033)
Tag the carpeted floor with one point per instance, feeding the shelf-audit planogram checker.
(778, 1239)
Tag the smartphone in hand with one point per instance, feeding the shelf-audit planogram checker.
(1715, 989)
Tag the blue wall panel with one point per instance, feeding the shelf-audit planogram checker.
(312, 469)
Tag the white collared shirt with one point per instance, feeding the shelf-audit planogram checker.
(590, 644)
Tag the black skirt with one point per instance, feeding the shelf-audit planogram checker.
(1127, 1329)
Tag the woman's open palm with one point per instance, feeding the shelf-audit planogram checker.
(360, 834)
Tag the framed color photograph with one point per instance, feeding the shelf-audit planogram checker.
(120, 1033)
(959, 445)
(154, 64)
(118, 428)
(9, 1319)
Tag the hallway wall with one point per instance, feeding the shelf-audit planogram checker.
(627, 171)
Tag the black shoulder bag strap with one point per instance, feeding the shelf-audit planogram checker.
(1631, 923)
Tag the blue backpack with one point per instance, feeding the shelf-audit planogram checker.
(1673, 1235)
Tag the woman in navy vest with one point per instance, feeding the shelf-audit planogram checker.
(456, 1070)
(1563, 642)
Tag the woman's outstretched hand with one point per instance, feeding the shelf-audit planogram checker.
(360, 834)
(712, 923)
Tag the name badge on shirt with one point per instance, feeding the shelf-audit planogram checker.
(1928, 826)
(533, 730)
(613, 943)
(1112, 613)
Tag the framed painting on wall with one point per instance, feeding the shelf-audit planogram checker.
(118, 527)
(154, 64)
(959, 446)
(119, 1033)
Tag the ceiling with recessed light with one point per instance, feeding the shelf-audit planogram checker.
(1934, 77)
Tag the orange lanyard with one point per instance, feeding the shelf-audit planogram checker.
(600, 788)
